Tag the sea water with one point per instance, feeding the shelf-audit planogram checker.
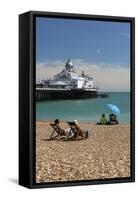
(85, 110)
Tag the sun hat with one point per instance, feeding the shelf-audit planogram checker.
(76, 122)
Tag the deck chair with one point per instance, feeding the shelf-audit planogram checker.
(57, 130)
(76, 130)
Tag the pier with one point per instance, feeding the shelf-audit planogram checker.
(43, 94)
(102, 95)
(67, 84)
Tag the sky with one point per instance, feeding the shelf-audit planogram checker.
(100, 48)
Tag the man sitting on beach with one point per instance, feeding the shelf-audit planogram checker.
(79, 131)
(103, 120)
(61, 130)
(113, 119)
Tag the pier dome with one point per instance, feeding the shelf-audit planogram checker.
(69, 65)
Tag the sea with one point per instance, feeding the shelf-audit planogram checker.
(85, 110)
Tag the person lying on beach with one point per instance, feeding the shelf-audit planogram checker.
(103, 120)
(113, 119)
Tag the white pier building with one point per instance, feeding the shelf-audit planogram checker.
(68, 79)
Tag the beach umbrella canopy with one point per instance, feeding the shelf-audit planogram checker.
(114, 108)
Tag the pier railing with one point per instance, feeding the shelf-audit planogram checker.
(44, 94)
(102, 95)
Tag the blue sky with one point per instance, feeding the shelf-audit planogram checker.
(100, 48)
(94, 41)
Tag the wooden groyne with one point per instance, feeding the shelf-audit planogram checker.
(43, 94)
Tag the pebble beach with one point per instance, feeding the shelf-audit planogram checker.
(105, 154)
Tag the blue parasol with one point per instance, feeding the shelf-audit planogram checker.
(114, 108)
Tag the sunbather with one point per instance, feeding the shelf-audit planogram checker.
(113, 119)
(59, 128)
(103, 120)
(76, 130)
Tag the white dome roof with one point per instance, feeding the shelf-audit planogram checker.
(70, 63)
